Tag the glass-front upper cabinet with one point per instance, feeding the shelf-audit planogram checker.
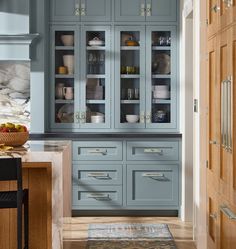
(161, 63)
(130, 77)
(145, 73)
(95, 73)
(80, 73)
(64, 77)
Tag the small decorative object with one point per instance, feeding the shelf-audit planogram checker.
(62, 70)
(66, 113)
(13, 134)
(131, 42)
(96, 42)
(97, 118)
(94, 92)
(160, 116)
(68, 93)
(132, 118)
(161, 64)
(59, 90)
(68, 61)
(67, 40)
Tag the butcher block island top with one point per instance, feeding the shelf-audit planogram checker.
(47, 175)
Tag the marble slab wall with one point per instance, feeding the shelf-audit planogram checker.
(15, 92)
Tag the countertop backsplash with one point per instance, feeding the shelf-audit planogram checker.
(15, 92)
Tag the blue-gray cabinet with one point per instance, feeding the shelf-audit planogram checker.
(146, 10)
(146, 78)
(81, 10)
(81, 72)
(119, 174)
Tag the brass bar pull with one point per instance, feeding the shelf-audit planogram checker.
(142, 10)
(154, 174)
(99, 175)
(153, 150)
(98, 151)
(100, 197)
(229, 213)
(149, 10)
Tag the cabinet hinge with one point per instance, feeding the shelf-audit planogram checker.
(207, 22)
(207, 164)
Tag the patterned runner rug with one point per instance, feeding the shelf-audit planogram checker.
(130, 236)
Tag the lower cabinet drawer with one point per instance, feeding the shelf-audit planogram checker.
(97, 150)
(90, 197)
(153, 151)
(97, 174)
(152, 185)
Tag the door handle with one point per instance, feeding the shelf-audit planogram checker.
(212, 142)
(142, 9)
(223, 114)
(229, 213)
(229, 111)
(215, 8)
(213, 216)
(149, 10)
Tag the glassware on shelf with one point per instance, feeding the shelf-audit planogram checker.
(101, 62)
(136, 93)
(130, 93)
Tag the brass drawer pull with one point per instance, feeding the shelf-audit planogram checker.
(99, 175)
(153, 175)
(153, 150)
(228, 212)
(100, 197)
(98, 151)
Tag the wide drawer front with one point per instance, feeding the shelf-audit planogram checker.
(97, 174)
(152, 185)
(153, 151)
(91, 196)
(97, 150)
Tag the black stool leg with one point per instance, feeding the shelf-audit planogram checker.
(19, 226)
(26, 221)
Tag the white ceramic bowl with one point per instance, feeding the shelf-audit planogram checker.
(67, 40)
(97, 119)
(132, 118)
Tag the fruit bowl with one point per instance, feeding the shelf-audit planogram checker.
(14, 138)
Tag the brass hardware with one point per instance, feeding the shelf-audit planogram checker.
(102, 197)
(212, 142)
(215, 8)
(153, 150)
(98, 151)
(142, 10)
(100, 175)
(153, 175)
(83, 117)
(77, 9)
(149, 10)
(228, 212)
(142, 117)
(77, 117)
(228, 3)
(213, 216)
(83, 10)
(148, 118)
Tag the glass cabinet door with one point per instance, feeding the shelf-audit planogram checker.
(64, 77)
(161, 102)
(95, 83)
(130, 77)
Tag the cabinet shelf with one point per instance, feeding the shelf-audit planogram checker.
(161, 47)
(161, 76)
(130, 76)
(67, 76)
(130, 101)
(161, 101)
(64, 101)
(130, 48)
(64, 47)
(96, 48)
(95, 101)
(96, 76)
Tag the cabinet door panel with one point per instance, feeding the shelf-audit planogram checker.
(129, 10)
(62, 10)
(161, 78)
(213, 117)
(161, 10)
(213, 8)
(226, 13)
(96, 10)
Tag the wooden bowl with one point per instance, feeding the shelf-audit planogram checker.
(13, 138)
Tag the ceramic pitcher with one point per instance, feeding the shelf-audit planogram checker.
(59, 91)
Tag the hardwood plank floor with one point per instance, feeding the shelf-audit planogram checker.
(75, 232)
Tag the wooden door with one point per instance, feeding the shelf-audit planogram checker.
(223, 59)
(226, 13)
(213, 117)
(212, 16)
(233, 115)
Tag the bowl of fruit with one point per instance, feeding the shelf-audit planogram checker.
(13, 134)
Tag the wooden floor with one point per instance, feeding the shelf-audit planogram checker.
(75, 232)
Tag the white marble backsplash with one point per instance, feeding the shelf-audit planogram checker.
(15, 92)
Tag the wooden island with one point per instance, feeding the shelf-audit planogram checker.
(47, 175)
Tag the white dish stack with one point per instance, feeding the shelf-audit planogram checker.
(161, 92)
